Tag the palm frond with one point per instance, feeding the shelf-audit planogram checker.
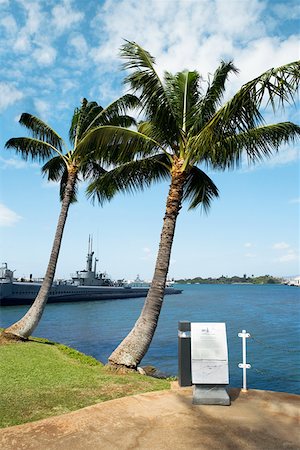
(41, 131)
(74, 124)
(30, 148)
(91, 170)
(121, 106)
(150, 130)
(94, 115)
(277, 86)
(130, 177)
(123, 121)
(199, 189)
(183, 93)
(111, 145)
(54, 168)
(78, 119)
(93, 112)
(242, 113)
(208, 105)
(146, 82)
(259, 143)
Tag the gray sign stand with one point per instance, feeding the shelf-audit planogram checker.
(209, 364)
(184, 354)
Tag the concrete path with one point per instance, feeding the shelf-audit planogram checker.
(256, 420)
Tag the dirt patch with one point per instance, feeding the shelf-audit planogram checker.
(9, 338)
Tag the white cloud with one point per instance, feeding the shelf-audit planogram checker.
(44, 55)
(287, 257)
(248, 244)
(286, 155)
(287, 10)
(295, 200)
(9, 24)
(64, 17)
(219, 30)
(147, 254)
(67, 85)
(79, 44)
(263, 53)
(34, 16)
(17, 164)
(22, 43)
(8, 217)
(42, 107)
(280, 246)
(9, 95)
(33, 21)
(250, 255)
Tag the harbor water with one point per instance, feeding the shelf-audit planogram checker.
(270, 313)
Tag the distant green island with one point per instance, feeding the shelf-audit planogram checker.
(263, 279)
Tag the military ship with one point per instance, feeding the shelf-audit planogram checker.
(85, 285)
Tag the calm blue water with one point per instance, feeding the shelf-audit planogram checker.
(270, 313)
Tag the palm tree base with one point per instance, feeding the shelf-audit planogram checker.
(6, 338)
(119, 368)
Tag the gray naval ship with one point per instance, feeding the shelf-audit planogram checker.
(85, 285)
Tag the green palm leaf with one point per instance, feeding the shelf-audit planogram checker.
(258, 143)
(79, 117)
(112, 144)
(199, 189)
(241, 113)
(90, 169)
(130, 177)
(41, 131)
(212, 99)
(146, 82)
(278, 85)
(32, 148)
(54, 168)
(183, 93)
(120, 106)
(150, 130)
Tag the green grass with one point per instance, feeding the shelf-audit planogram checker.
(41, 379)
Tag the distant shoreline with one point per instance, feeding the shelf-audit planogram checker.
(264, 279)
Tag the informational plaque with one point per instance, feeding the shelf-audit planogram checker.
(209, 353)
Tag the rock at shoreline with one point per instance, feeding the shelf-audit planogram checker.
(152, 371)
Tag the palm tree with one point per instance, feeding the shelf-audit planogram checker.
(65, 166)
(185, 126)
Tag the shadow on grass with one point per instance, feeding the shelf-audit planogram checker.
(42, 341)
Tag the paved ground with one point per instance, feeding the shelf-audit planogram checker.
(256, 420)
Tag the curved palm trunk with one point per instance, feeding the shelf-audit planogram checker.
(27, 324)
(134, 347)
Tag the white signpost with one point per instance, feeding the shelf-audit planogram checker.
(209, 363)
(244, 365)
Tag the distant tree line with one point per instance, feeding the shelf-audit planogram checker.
(263, 279)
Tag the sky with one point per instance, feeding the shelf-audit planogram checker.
(54, 53)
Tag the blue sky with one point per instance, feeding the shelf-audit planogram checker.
(56, 52)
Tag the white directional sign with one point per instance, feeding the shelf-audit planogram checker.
(209, 353)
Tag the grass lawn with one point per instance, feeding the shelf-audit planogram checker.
(41, 379)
